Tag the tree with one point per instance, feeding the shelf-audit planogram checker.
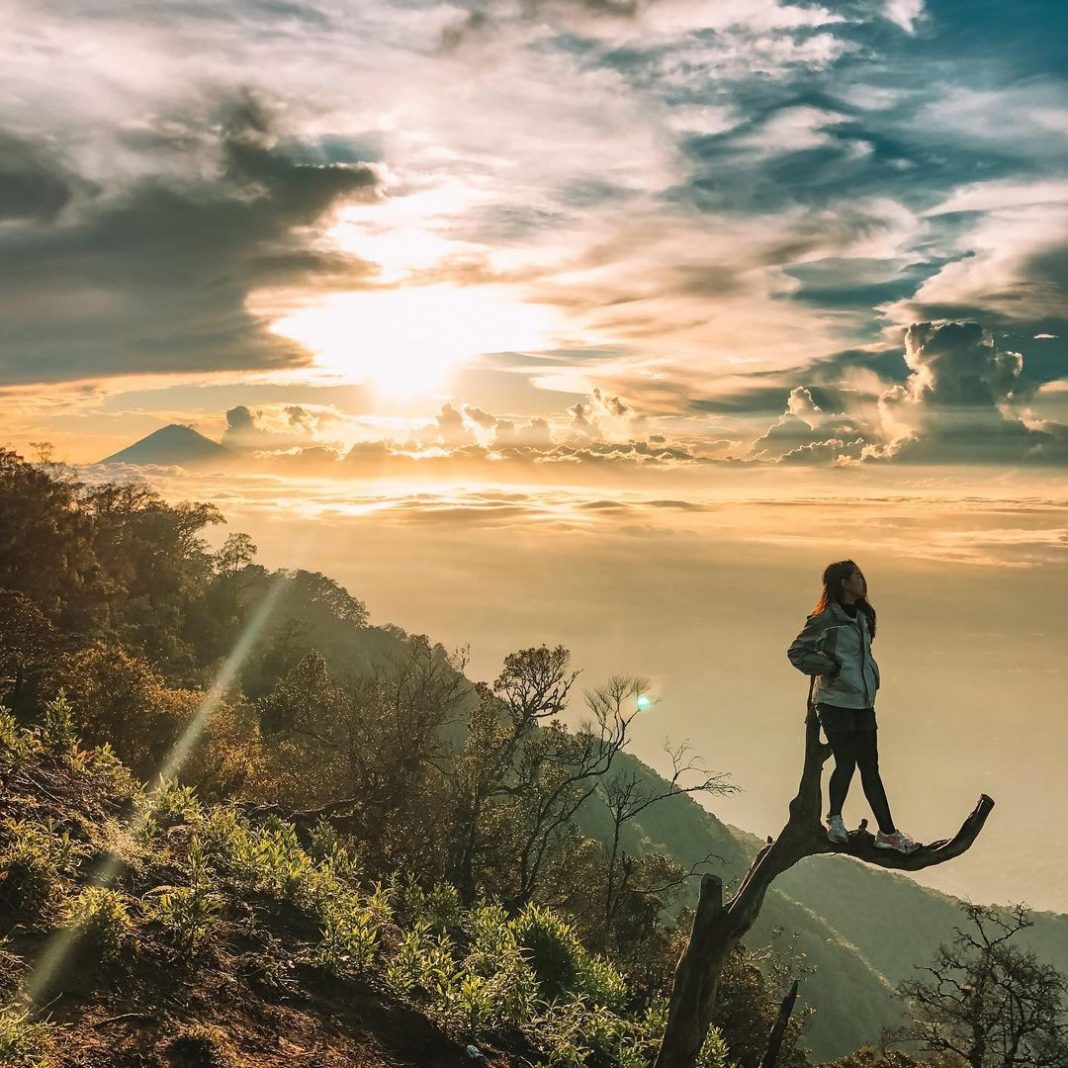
(370, 751)
(627, 795)
(532, 688)
(989, 1002)
(47, 545)
(717, 925)
(522, 776)
(27, 637)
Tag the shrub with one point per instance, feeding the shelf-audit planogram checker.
(269, 968)
(201, 1046)
(58, 734)
(440, 906)
(420, 961)
(101, 917)
(31, 864)
(169, 805)
(23, 1041)
(600, 981)
(554, 949)
(16, 744)
(462, 1004)
(563, 965)
(111, 774)
(186, 914)
(350, 940)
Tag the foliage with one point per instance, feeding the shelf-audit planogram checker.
(202, 1045)
(187, 913)
(168, 805)
(58, 734)
(32, 860)
(350, 939)
(24, 1041)
(101, 916)
(17, 745)
(562, 964)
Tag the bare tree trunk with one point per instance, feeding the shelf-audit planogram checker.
(717, 926)
(771, 1054)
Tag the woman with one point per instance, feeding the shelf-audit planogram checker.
(835, 647)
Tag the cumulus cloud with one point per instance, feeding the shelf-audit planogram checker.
(277, 428)
(963, 402)
(805, 433)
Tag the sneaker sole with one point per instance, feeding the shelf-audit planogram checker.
(886, 845)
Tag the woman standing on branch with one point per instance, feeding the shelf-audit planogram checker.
(835, 648)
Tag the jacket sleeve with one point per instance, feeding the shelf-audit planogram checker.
(804, 654)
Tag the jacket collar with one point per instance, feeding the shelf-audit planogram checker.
(840, 613)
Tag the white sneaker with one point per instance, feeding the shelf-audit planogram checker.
(836, 830)
(898, 840)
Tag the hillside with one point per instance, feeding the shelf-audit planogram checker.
(160, 931)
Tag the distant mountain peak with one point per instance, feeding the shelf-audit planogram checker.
(176, 445)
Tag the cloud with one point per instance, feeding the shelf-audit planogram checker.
(34, 183)
(1008, 265)
(904, 13)
(805, 433)
(277, 428)
(154, 277)
(964, 402)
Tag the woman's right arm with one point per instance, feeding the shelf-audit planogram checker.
(803, 652)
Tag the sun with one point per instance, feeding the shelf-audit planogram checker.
(406, 342)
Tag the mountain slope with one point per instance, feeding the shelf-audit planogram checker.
(172, 446)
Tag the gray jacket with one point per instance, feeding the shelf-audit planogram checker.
(837, 650)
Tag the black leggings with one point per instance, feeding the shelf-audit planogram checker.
(853, 749)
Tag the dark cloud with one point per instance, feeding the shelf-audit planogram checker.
(962, 401)
(34, 184)
(285, 427)
(155, 278)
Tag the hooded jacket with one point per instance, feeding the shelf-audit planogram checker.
(837, 649)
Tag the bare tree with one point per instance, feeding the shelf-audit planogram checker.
(987, 1001)
(557, 771)
(627, 795)
(718, 925)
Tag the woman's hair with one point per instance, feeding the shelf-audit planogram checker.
(833, 577)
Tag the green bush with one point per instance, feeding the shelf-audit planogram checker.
(350, 940)
(101, 917)
(17, 745)
(31, 864)
(24, 1042)
(186, 914)
(554, 949)
(563, 965)
(439, 906)
(421, 961)
(169, 805)
(58, 734)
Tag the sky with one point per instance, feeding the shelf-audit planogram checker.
(621, 318)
